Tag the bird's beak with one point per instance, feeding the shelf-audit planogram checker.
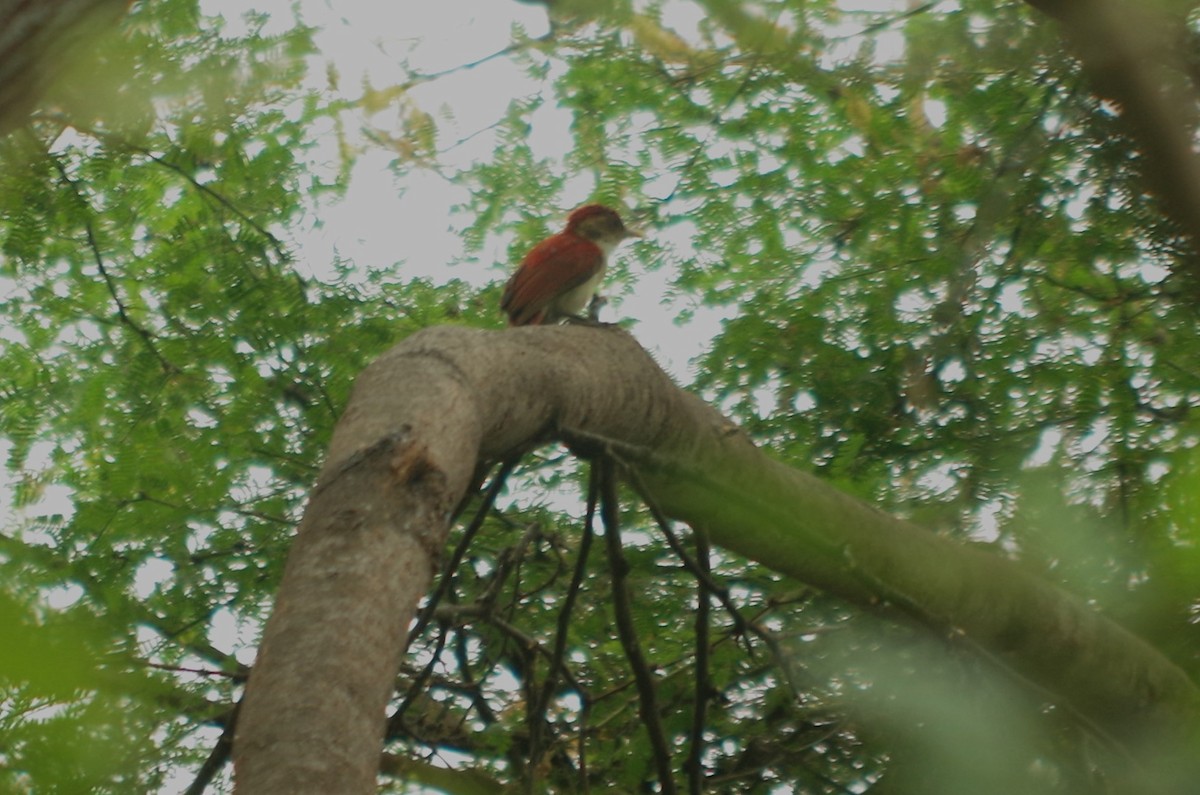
(634, 232)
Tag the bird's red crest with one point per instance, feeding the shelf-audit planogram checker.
(581, 214)
(559, 276)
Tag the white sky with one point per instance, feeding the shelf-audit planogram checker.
(385, 219)
(370, 40)
(374, 225)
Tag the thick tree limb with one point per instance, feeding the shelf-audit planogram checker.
(38, 40)
(1139, 55)
(426, 412)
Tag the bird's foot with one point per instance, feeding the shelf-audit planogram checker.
(595, 305)
(578, 320)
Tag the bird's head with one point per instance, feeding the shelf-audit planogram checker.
(599, 224)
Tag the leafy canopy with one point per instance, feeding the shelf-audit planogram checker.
(942, 287)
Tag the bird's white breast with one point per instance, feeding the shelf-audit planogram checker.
(575, 300)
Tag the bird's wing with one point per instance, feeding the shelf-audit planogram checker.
(553, 267)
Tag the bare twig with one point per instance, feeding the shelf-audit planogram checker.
(888, 21)
(276, 245)
(447, 578)
(395, 721)
(483, 613)
(217, 757)
(562, 632)
(704, 688)
(463, 658)
(94, 245)
(515, 47)
(702, 573)
(647, 698)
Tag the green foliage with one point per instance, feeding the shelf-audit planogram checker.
(170, 382)
(945, 290)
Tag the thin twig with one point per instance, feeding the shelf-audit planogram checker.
(473, 689)
(647, 457)
(627, 632)
(395, 722)
(484, 613)
(704, 688)
(98, 258)
(585, 714)
(516, 46)
(115, 141)
(562, 632)
(219, 198)
(887, 22)
(702, 573)
(217, 757)
(460, 551)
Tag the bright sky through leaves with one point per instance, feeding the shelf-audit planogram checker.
(902, 245)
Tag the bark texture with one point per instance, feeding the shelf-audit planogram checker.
(38, 39)
(423, 415)
(1141, 55)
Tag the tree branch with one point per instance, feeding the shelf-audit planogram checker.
(1135, 54)
(39, 41)
(424, 415)
(563, 628)
(94, 246)
(704, 688)
(610, 511)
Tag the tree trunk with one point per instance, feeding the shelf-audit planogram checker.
(426, 413)
(1141, 56)
(38, 39)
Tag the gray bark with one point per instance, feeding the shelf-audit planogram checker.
(425, 414)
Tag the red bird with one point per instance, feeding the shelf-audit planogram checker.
(560, 275)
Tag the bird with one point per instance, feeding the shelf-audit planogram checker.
(559, 276)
